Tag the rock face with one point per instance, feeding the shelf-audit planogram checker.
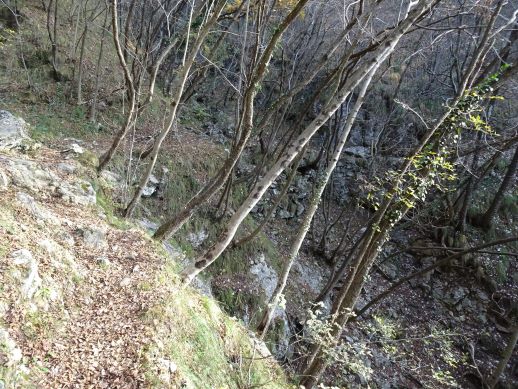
(13, 131)
(267, 279)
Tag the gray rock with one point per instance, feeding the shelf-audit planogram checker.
(358, 151)
(166, 369)
(75, 148)
(103, 260)
(283, 214)
(310, 274)
(38, 211)
(112, 179)
(67, 167)
(31, 280)
(80, 192)
(148, 225)
(4, 181)
(196, 239)
(13, 131)
(31, 176)
(152, 187)
(94, 238)
(265, 275)
(9, 348)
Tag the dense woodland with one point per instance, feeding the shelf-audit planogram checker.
(340, 175)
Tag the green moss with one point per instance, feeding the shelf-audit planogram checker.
(210, 349)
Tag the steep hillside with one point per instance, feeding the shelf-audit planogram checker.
(87, 300)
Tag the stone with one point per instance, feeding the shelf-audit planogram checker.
(80, 192)
(112, 179)
(148, 225)
(265, 275)
(31, 281)
(31, 176)
(67, 167)
(166, 369)
(39, 212)
(9, 348)
(152, 186)
(103, 261)
(74, 147)
(13, 131)
(94, 238)
(358, 151)
(4, 181)
(196, 239)
(4, 307)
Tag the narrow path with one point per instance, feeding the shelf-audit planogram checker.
(95, 333)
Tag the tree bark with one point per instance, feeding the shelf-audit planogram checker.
(486, 220)
(506, 356)
(105, 158)
(180, 85)
(314, 201)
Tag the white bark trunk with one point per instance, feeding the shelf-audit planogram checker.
(313, 206)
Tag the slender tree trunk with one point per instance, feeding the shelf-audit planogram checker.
(80, 65)
(486, 220)
(313, 206)
(388, 214)
(463, 214)
(52, 32)
(98, 70)
(182, 78)
(274, 206)
(506, 356)
(103, 161)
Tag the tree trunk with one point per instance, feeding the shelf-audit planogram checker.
(103, 161)
(314, 201)
(172, 225)
(486, 220)
(506, 356)
(98, 71)
(80, 65)
(182, 78)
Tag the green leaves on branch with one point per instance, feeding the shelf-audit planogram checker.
(433, 167)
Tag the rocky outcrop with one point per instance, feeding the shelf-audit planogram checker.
(13, 131)
(36, 178)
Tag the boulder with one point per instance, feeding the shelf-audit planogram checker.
(13, 131)
(94, 238)
(112, 179)
(358, 151)
(80, 192)
(31, 176)
(265, 275)
(67, 167)
(29, 276)
(196, 239)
